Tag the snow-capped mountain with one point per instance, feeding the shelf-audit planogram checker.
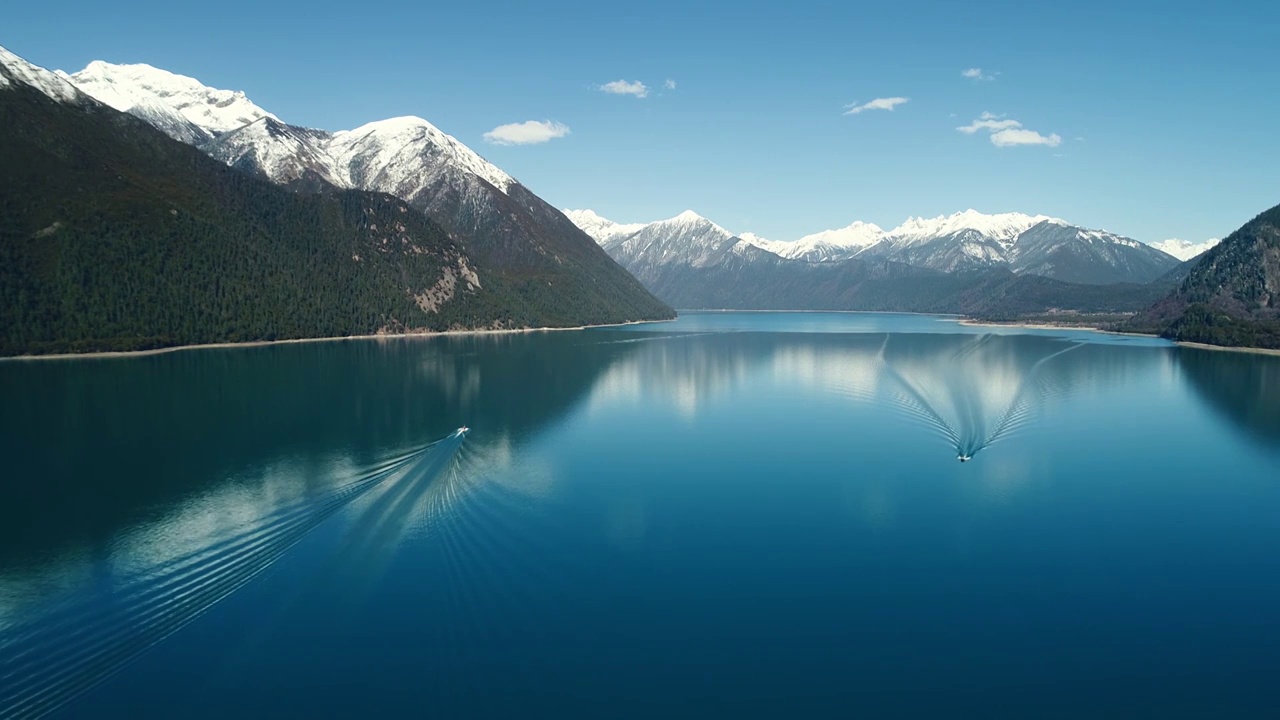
(178, 105)
(824, 246)
(1063, 251)
(400, 156)
(292, 156)
(686, 240)
(407, 157)
(600, 229)
(1183, 249)
(498, 219)
(965, 241)
(16, 72)
(501, 224)
(1002, 228)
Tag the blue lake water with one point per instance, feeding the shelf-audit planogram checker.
(758, 514)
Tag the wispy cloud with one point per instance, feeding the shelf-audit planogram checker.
(669, 84)
(624, 87)
(989, 122)
(878, 104)
(1008, 133)
(977, 74)
(530, 132)
(1013, 137)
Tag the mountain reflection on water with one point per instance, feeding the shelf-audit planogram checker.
(143, 491)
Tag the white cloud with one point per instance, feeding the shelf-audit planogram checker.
(669, 84)
(1013, 137)
(877, 104)
(623, 87)
(1008, 133)
(530, 132)
(977, 74)
(987, 121)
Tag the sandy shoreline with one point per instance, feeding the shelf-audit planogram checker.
(1050, 326)
(294, 341)
(1225, 348)
(1179, 343)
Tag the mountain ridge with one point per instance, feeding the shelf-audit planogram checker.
(114, 236)
(967, 240)
(501, 223)
(1229, 296)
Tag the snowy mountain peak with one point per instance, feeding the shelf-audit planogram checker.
(838, 244)
(409, 137)
(601, 229)
(1184, 250)
(16, 71)
(857, 234)
(1003, 227)
(691, 219)
(402, 156)
(148, 91)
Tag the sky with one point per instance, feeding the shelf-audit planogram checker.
(1151, 119)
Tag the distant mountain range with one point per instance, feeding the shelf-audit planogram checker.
(966, 241)
(691, 262)
(113, 236)
(994, 265)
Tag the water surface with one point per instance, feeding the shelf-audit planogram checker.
(752, 513)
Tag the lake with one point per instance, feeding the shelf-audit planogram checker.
(762, 514)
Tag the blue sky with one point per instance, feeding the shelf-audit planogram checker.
(1166, 113)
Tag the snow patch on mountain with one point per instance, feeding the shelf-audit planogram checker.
(390, 152)
(16, 71)
(1183, 249)
(1001, 227)
(173, 100)
(600, 229)
(398, 155)
(838, 244)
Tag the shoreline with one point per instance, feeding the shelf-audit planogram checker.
(1049, 326)
(960, 319)
(1227, 348)
(842, 312)
(1176, 343)
(295, 341)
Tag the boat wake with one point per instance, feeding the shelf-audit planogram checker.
(73, 647)
(974, 396)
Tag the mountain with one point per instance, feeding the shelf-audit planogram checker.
(600, 229)
(686, 240)
(178, 105)
(691, 262)
(965, 241)
(113, 236)
(1025, 244)
(1230, 295)
(828, 245)
(1066, 252)
(1183, 249)
(748, 278)
(543, 256)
